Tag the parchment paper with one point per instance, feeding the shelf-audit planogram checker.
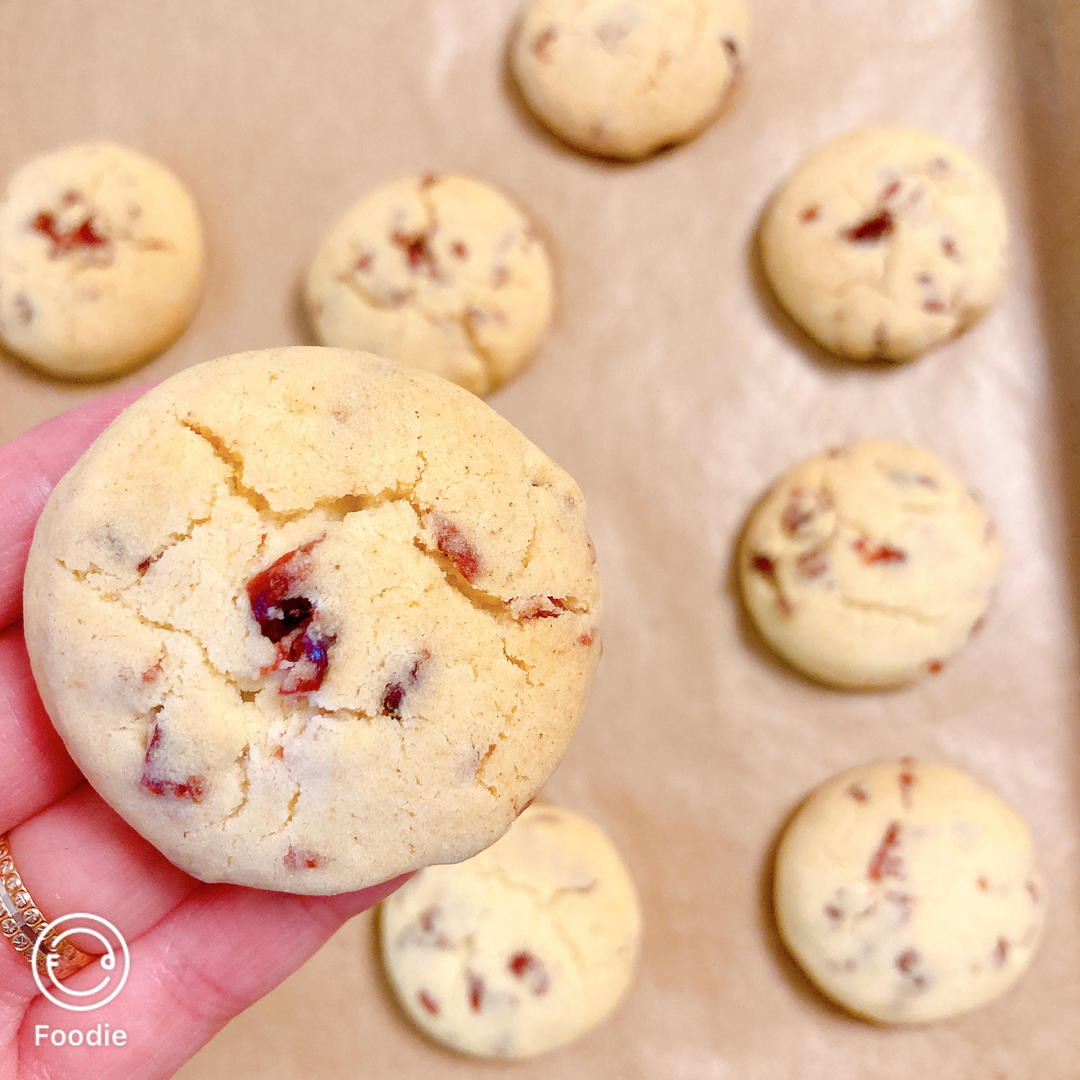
(674, 391)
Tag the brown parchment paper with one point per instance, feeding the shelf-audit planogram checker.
(674, 391)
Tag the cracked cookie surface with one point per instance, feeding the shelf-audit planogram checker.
(869, 565)
(308, 620)
(624, 78)
(443, 273)
(908, 891)
(101, 260)
(886, 242)
(521, 949)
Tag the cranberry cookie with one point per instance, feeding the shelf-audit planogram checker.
(624, 78)
(908, 892)
(885, 243)
(521, 949)
(437, 272)
(308, 620)
(101, 260)
(870, 565)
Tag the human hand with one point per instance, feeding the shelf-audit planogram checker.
(199, 953)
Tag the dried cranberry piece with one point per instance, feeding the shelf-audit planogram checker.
(476, 993)
(308, 659)
(542, 43)
(394, 693)
(906, 780)
(287, 619)
(907, 963)
(429, 1003)
(452, 543)
(535, 607)
(82, 235)
(883, 553)
(193, 787)
(764, 565)
(871, 229)
(1001, 951)
(303, 859)
(417, 250)
(885, 862)
(523, 965)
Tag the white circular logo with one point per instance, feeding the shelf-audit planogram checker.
(115, 962)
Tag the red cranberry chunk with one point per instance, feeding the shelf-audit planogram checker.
(308, 660)
(395, 691)
(392, 698)
(881, 553)
(885, 862)
(907, 963)
(428, 1002)
(451, 542)
(303, 859)
(1001, 951)
(289, 620)
(764, 565)
(82, 235)
(871, 229)
(476, 993)
(416, 249)
(192, 787)
(906, 780)
(523, 608)
(273, 594)
(542, 43)
(523, 965)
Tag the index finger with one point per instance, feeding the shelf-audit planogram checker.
(30, 467)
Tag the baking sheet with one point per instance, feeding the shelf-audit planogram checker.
(674, 391)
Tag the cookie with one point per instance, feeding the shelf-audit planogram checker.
(885, 243)
(308, 620)
(436, 272)
(908, 891)
(101, 260)
(624, 78)
(521, 949)
(870, 565)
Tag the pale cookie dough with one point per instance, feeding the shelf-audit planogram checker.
(101, 260)
(908, 892)
(870, 565)
(885, 243)
(307, 620)
(624, 78)
(437, 272)
(521, 949)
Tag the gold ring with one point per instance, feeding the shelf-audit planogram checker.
(22, 923)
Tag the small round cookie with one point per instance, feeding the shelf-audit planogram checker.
(624, 78)
(869, 566)
(308, 620)
(908, 891)
(437, 272)
(885, 243)
(521, 949)
(101, 260)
